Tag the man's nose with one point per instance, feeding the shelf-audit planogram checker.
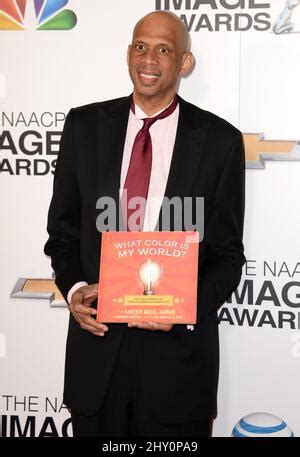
(150, 56)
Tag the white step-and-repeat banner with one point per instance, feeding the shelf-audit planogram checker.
(57, 54)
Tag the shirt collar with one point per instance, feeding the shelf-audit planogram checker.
(139, 113)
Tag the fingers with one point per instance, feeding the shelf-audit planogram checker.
(83, 313)
(83, 309)
(143, 325)
(97, 331)
(89, 297)
(154, 326)
(85, 295)
(90, 324)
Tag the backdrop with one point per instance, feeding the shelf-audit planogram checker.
(55, 55)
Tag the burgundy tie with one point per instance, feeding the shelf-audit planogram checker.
(139, 170)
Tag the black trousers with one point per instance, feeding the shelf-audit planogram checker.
(123, 412)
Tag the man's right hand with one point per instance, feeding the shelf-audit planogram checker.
(80, 308)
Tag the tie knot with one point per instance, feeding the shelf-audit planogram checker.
(148, 121)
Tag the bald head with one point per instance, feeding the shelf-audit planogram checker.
(157, 58)
(166, 19)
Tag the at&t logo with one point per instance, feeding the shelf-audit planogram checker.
(262, 425)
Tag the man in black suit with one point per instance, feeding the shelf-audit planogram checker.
(146, 379)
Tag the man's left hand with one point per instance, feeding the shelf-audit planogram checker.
(151, 326)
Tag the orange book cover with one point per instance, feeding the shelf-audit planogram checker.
(148, 277)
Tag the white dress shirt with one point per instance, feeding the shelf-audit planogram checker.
(163, 134)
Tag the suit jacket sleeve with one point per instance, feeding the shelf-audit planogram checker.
(63, 245)
(220, 273)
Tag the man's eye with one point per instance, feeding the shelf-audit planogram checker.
(163, 50)
(140, 47)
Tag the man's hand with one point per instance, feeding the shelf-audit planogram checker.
(151, 326)
(80, 308)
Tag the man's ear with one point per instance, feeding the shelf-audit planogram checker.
(187, 63)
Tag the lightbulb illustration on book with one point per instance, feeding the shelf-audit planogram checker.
(149, 273)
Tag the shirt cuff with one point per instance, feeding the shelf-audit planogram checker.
(74, 288)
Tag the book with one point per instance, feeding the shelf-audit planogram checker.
(148, 277)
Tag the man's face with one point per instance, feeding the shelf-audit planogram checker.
(155, 57)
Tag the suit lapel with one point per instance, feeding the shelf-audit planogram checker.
(112, 127)
(187, 154)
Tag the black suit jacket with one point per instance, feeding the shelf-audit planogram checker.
(180, 368)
